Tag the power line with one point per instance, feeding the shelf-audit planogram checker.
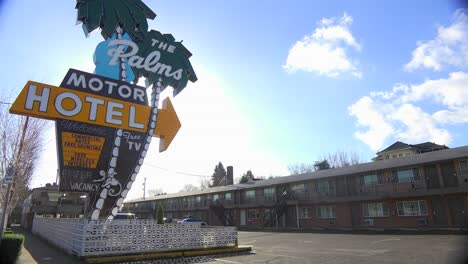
(177, 172)
(1, 102)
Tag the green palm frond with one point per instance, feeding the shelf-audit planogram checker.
(131, 15)
(178, 59)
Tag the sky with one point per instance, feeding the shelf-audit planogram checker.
(279, 82)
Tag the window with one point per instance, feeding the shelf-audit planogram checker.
(250, 194)
(305, 213)
(198, 199)
(228, 196)
(408, 175)
(269, 194)
(371, 180)
(323, 187)
(412, 208)
(298, 188)
(375, 210)
(326, 212)
(463, 166)
(268, 214)
(253, 214)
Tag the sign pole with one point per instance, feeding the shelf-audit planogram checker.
(4, 213)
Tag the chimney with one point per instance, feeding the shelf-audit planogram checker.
(229, 175)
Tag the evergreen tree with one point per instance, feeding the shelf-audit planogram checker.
(247, 176)
(219, 176)
(160, 215)
(322, 165)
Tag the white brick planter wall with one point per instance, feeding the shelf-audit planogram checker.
(84, 238)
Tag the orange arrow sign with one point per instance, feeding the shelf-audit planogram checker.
(167, 125)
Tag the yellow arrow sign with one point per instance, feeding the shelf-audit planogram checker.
(167, 125)
(51, 102)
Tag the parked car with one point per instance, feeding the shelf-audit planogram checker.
(192, 221)
(124, 216)
(167, 220)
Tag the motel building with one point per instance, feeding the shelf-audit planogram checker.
(406, 186)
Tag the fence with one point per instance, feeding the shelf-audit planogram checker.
(85, 238)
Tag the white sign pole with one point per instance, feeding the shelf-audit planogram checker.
(8, 180)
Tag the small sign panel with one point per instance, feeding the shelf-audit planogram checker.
(10, 171)
(81, 150)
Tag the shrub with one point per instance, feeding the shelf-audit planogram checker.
(160, 215)
(10, 247)
(8, 231)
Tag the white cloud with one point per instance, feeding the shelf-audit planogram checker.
(403, 113)
(449, 48)
(369, 114)
(325, 51)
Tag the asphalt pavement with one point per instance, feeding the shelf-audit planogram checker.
(298, 248)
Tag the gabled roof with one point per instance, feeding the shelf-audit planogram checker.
(414, 160)
(421, 147)
(396, 146)
(429, 146)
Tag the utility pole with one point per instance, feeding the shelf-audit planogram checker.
(144, 188)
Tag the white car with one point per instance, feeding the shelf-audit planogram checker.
(192, 221)
(124, 216)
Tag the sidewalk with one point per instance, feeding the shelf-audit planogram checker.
(36, 250)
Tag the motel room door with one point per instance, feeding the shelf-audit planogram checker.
(439, 212)
(356, 213)
(242, 217)
(456, 208)
(449, 174)
(432, 176)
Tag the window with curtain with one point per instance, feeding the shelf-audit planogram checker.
(412, 208)
(371, 180)
(375, 210)
(326, 212)
(250, 194)
(323, 187)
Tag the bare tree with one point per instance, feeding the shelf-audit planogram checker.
(299, 168)
(189, 188)
(21, 140)
(337, 159)
(155, 192)
(342, 158)
(204, 183)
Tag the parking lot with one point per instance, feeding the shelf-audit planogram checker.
(317, 247)
(327, 248)
(273, 247)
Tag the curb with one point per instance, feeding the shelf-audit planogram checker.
(295, 229)
(164, 255)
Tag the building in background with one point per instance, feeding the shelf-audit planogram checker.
(414, 191)
(47, 201)
(400, 149)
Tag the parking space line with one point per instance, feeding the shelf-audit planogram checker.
(228, 261)
(275, 255)
(385, 240)
(248, 243)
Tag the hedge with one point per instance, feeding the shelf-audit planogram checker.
(10, 247)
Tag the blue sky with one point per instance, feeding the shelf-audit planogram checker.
(279, 82)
